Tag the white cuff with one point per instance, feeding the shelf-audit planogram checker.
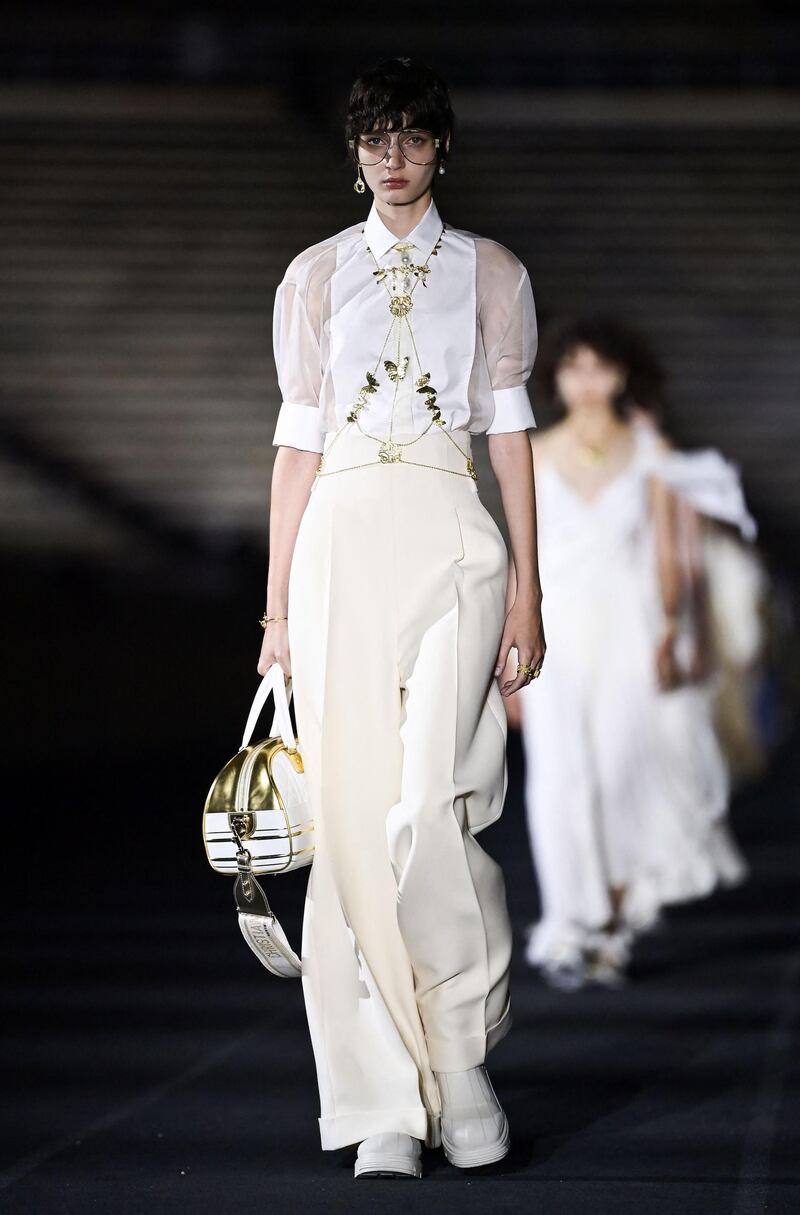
(512, 410)
(299, 426)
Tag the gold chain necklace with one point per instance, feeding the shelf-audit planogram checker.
(587, 454)
(400, 305)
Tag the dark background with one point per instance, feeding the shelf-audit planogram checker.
(160, 165)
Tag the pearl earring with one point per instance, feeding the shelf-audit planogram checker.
(441, 168)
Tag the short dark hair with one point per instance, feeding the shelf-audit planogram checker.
(612, 341)
(397, 91)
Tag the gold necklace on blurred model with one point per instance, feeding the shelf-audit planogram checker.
(595, 451)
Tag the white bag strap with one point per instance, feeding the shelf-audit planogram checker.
(273, 682)
(261, 930)
(268, 942)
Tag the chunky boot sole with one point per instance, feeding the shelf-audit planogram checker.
(388, 1166)
(471, 1158)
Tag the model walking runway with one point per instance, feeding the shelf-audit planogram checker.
(397, 340)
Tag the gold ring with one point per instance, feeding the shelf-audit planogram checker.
(524, 669)
(537, 672)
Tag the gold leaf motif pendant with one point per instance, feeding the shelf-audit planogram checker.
(389, 452)
(401, 305)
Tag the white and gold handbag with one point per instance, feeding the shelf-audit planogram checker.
(257, 820)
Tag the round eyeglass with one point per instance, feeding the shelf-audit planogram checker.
(418, 147)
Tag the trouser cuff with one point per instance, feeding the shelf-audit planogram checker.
(449, 1056)
(347, 1129)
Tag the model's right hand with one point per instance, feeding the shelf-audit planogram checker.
(275, 648)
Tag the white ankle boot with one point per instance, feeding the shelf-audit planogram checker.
(474, 1127)
(391, 1154)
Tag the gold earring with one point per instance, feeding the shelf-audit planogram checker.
(358, 184)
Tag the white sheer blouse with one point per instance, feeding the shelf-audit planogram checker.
(471, 331)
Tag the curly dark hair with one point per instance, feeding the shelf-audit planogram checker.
(396, 92)
(614, 342)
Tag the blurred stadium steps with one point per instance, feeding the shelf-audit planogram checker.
(141, 249)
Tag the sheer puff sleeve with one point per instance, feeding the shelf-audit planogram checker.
(298, 360)
(510, 335)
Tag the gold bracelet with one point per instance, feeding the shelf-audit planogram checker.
(265, 619)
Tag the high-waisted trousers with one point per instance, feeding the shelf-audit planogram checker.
(396, 608)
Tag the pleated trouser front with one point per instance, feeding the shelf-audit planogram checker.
(396, 609)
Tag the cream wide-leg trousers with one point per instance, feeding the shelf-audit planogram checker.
(396, 609)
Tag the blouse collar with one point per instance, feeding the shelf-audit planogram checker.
(424, 236)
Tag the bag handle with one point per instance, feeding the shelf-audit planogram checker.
(273, 682)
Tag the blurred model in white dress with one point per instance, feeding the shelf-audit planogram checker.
(626, 786)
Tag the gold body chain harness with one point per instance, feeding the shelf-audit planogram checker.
(390, 451)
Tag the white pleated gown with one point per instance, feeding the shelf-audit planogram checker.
(625, 784)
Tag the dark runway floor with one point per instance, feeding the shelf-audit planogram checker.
(155, 1067)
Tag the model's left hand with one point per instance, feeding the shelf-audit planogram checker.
(668, 672)
(524, 631)
(700, 661)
